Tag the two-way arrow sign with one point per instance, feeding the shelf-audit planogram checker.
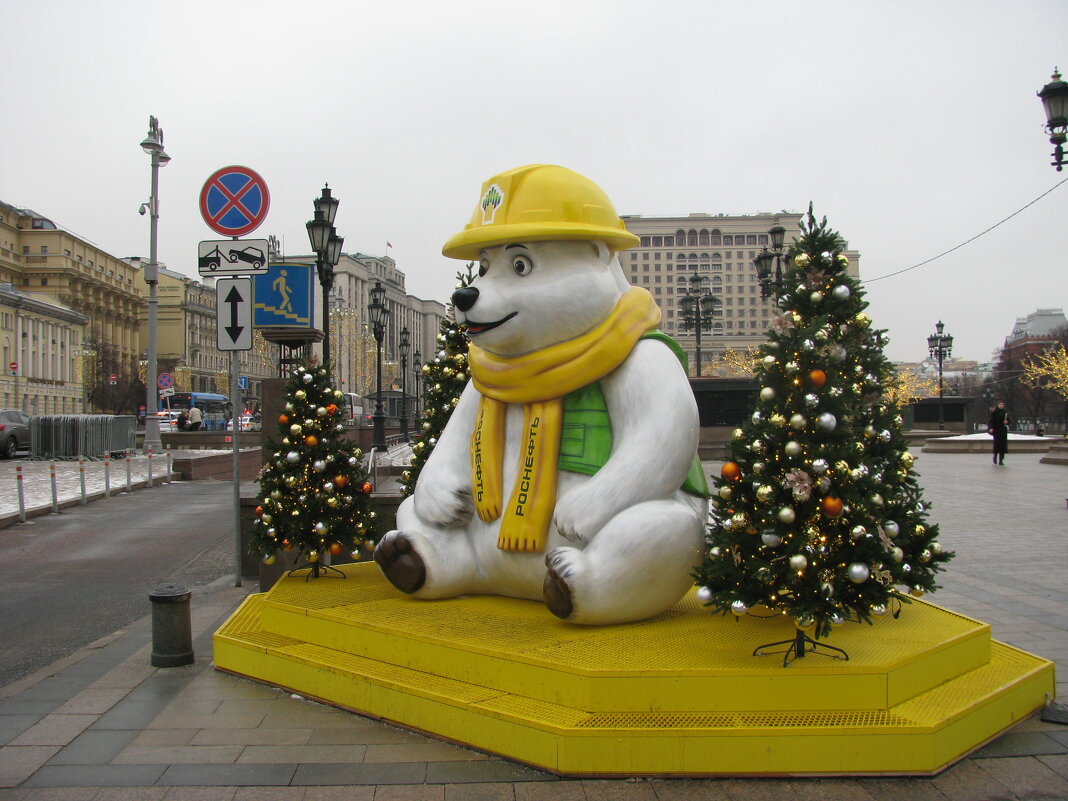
(234, 313)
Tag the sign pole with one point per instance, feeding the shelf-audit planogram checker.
(235, 398)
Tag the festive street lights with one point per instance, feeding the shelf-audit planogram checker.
(404, 346)
(1055, 99)
(153, 146)
(698, 306)
(766, 257)
(379, 315)
(327, 246)
(940, 346)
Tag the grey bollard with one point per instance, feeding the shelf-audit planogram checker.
(172, 634)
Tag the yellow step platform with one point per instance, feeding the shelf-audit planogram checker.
(681, 694)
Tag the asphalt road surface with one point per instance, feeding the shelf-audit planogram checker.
(67, 580)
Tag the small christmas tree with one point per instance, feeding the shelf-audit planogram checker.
(314, 494)
(818, 513)
(444, 380)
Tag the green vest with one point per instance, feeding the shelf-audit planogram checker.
(586, 440)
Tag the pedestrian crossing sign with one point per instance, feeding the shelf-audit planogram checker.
(282, 297)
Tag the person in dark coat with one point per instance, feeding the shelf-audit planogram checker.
(998, 427)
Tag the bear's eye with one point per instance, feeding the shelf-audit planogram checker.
(483, 266)
(522, 266)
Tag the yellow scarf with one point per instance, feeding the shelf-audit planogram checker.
(540, 381)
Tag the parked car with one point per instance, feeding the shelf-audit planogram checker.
(14, 432)
(168, 420)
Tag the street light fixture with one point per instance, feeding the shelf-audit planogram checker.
(417, 365)
(404, 346)
(940, 346)
(379, 316)
(764, 261)
(698, 306)
(327, 246)
(153, 146)
(1055, 99)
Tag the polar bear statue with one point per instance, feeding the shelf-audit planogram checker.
(568, 471)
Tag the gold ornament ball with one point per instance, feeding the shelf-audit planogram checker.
(802, 260)
(321, 411)
(764, 493)
(295, 429)
(300, 394)
(313, 556)
(269, 559)
(862, 320)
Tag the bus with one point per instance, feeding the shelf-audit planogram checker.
(353, 414)
(214, 407)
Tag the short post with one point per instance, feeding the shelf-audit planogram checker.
(22, 498)
(172, 632)
(149, 484)
(107, 475)
(168, 462)
(81, 478)
(55, 492)
(128, 487)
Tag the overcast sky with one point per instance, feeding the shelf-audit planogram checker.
(913, 126)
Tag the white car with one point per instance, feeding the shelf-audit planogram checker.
(168, 420)
(247, 423)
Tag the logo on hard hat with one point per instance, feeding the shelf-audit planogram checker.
(493, 198)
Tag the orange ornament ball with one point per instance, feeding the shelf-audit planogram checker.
(817, 378)
(367, 488)
(731, 471)
(259, 511)
(311, 440)
(340, 481)
(283, 419)
(331, 409)
(336, 549)
(831, 505)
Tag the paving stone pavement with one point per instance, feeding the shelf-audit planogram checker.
(103, 724)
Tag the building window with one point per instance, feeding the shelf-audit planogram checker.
(44, 250)
(762, 239)
(645, 241)
(658, 241)
(702, 238)
(44, 282)
(645, 257)
(691, 238)
(750, 239)
(669, 241)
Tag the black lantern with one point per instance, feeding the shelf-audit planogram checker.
(404, 346)
(379, 315)
(1055, 100)
(417, 366)
(698, 306)
(940, 345)
(327, 246)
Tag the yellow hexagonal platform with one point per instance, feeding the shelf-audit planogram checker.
(680, 694)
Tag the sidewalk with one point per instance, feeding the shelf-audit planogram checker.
(103, 724)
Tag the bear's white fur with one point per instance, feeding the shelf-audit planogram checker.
(623, 542)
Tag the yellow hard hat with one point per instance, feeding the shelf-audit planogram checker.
(536, 203)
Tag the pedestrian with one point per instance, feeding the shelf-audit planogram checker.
(998, 428)
(183, 420)
(196, 418)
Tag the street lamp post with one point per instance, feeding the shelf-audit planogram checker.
(940, 346)
(417, 365)
(379, 315)
(404, 346)
(327, 246)
(1055, 100)
(698, 305)
(764, 261)
(153, 145)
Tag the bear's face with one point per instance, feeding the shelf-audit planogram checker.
(531, 295)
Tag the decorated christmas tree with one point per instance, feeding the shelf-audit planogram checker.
(314, 494)
(818, 514)
(444, 378)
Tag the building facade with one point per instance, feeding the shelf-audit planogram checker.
(720, 250)
(85, 327)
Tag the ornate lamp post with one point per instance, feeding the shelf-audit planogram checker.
(698, 305)
(327, 246)
(1055, 99)
(940, 346)
(379, 315)
(404, 346)
(153, 146)
(764, 261)
(417, 365)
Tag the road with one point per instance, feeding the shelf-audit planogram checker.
(69, 579)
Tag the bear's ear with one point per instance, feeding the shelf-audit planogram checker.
(604, 254)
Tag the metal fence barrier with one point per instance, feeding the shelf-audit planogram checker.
(68, 436)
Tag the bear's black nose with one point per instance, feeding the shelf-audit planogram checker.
(464, 298)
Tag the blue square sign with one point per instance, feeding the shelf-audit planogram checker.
(282, 297)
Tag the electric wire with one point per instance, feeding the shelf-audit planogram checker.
(967, 241)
